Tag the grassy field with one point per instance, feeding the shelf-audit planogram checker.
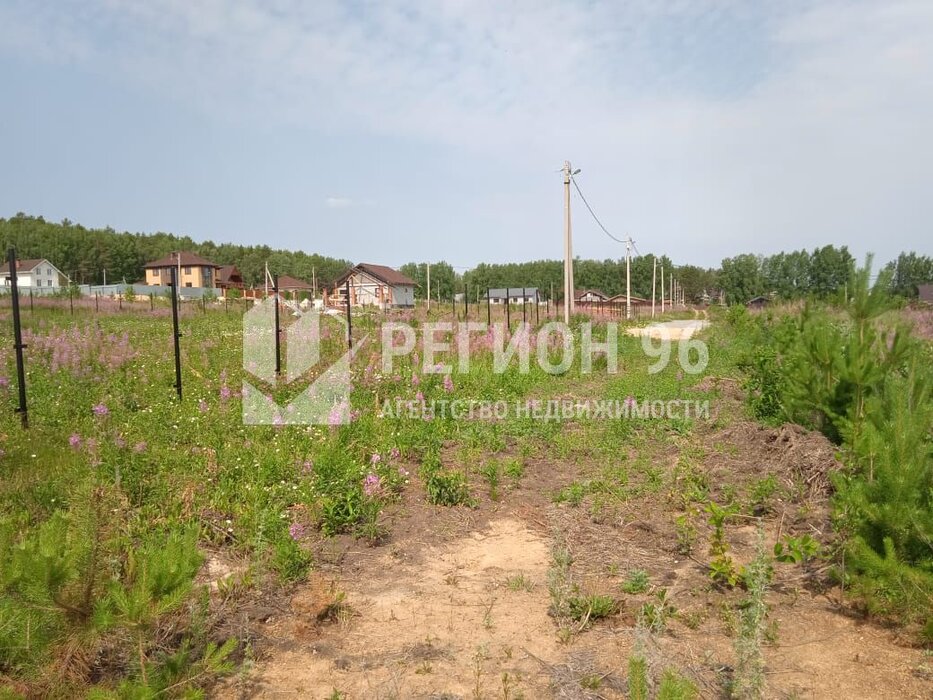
(151, 547)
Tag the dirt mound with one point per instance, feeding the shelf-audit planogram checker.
(746, 451)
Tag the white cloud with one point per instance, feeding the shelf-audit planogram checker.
(338, 202)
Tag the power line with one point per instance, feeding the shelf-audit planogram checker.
(592, 213)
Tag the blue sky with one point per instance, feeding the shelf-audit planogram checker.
(386, 131)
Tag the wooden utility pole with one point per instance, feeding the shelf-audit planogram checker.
(429, 286)
(568, 247)
(628, 278)
(314, 281)
(662, 290)
(654, 284)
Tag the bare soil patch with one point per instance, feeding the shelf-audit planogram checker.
(456, 603)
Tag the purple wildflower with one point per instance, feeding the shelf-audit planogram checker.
(101, 410)
(419, 397)
(139, 447)
(394, 453)
(4, 382)
(119, 442)
(448, 383)
(415, 380)
(75, 441)
(376, 458)
(202, 406)
(372, 484)
(296, 531)
(307, 467)
(225, 393)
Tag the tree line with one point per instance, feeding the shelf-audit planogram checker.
(83, 254)
(822, 273)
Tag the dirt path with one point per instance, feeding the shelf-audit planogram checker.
(455, 604)
(671, 330)
(444, 621)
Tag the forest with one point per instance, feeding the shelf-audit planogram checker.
(83, 254)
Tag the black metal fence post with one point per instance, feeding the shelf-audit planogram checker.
(32, 308)
(278, 331)
(349, 318)
(524, 305)
(488, 308)
(176, 334)
(151, 301)
(466, 302)
(18, 340)
(537, 308)
(508, 309)
(97, 302)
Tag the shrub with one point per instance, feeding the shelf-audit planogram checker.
(447, 488)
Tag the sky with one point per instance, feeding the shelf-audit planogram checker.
(386, 132)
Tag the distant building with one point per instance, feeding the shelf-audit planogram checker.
(38, 272)
(294, 286)
(515, 295)
(229, 277)
(192, 271)
(623, 300)
(758, 302)
(374, 285)
(589, 296)
(925, 293)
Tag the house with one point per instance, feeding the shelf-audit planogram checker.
(38, 272)
(925, 293)
(229, 277)
(622, 300)
(758, 302)
(294, 286)
(374, 285)
(515, 295)
(589, 296)
(193, 271)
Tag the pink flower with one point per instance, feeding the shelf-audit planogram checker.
(375, 459)
(225, 393)
(419, 397)
(75, 441)
(119, 442)
(394, 453)
(448, 383)
(296, 531)
(101, 410)
(372, 484)
(202, 406)
(415, 380)
(4, 382)
(307, 467)
(139, 447)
